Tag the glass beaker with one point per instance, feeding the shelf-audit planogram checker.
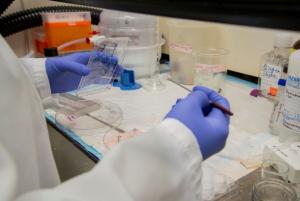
(210, 68)
(272, 169)
(273, 190)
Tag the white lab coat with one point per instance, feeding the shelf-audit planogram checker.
(164, 164)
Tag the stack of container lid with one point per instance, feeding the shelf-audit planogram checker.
(144, 46)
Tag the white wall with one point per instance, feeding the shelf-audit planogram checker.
(246, 45)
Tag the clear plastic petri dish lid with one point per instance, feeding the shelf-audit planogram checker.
(107, 116)
(118, 19)
(103, 74)
(112, 139)
(273, 189)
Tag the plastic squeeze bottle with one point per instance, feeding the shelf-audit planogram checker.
(274, 64)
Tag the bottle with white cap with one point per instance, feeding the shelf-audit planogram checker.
(274, 64)
(291, 111)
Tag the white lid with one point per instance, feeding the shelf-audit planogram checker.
(118, 19)
(283, 40)
(66, 17)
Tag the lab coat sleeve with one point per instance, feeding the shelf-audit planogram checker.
(163, 164)
(35, 68)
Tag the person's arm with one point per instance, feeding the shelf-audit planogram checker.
(164, 164)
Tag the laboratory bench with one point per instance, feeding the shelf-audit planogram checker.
(236, 168)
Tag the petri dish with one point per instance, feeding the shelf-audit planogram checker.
(112, 139)
(106, 117)
(273, 189)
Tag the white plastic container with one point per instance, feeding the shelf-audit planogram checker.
(144, 47)
(291, 112)
(143, 60)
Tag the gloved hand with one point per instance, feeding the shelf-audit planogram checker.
(64, 73)
(209, 125)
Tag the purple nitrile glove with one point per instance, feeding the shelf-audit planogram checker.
(209, 125)
(64, 73)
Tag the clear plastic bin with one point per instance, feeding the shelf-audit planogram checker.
(119, 20)
(137, 37)
(143, 60)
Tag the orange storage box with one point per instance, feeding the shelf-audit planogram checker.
(64, 27)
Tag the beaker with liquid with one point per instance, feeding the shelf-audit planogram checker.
(210, 68)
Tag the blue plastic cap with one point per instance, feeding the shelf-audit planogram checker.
(281, 82)
(127, 81)
(127, 78)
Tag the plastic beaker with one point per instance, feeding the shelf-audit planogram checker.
(186, 37)
(210, 68)
(273, 190)
(272, 169)
(154, 83)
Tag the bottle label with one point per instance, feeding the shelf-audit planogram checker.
(291, 113)
(269, 75)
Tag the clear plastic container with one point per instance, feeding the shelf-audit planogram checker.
(211, 68)
(142, 30)
(67, 26)
(137, 37)
(118, 20)
(143, 60)
(273, 190)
